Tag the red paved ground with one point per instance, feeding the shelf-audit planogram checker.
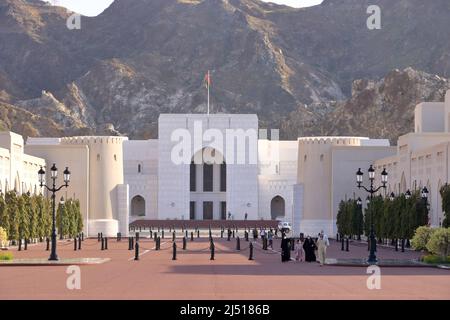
(230, 276)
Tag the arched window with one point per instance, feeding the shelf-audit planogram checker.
(139, 168)
(138, 206)
(277, 207)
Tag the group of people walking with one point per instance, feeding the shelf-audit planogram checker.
(305, 249)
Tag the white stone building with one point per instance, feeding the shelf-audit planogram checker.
(422, 157)
(222, 166)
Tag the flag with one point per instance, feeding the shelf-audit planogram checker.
(207, 80)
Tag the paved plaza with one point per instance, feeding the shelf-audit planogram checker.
(230, 276)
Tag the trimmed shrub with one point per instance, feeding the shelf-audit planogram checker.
(3, 237)
(421, 237)
(438, 243)
(6, 256)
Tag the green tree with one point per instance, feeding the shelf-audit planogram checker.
(445, 195)
(340, 218)
(4, 218)
(24, 219)
(48, 215)
(79, 217)
(13, 215)
(61, 219)
(357, 220)
(33, 216)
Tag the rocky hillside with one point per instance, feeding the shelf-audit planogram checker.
(293, 67)
(383, 108)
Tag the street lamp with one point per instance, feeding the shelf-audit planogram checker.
(408, 194)
(53, 189)
(371, 190)
(392, 196)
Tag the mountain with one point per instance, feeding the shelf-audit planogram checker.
(140, 58)
(383, 108)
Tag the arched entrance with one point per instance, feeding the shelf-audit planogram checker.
(277, 207)
(138, 206)
(208, 185)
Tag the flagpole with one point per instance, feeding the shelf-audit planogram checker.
(208, 83)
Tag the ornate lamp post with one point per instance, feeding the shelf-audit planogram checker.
(371, 190)
(53, 190)
(424, 194)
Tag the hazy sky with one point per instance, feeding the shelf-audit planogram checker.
(95, 7)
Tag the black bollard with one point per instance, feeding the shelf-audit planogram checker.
(136, 252)
(75, 244)
(137, 236)
(212, 247)
(103, 244)
(48, 244)
(192, 236)
(173, 235)
(238, 244)
(346, 244)
(186, 234)
(198, 233)
(184, 243)
(233, 234)
(229, 235)
(129, 243)
(403, 245)
(98, 237)
(26, 244)
(174, 247)
(342, 244)
(162, 233)
(132, 243)
(154, 236)
(79, 243)
(221, 233)
(251, 251)
(246, 235)
(106, 243)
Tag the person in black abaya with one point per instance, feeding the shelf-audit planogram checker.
(285, 249)
(309, 246)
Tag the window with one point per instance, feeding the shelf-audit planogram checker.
(139, 168)
(223, 177)
(98, 157)
(192, 210)
(321, 157)
(223, 210)
(115, 157)
(193, 179)
(207, 178)
(207, 210)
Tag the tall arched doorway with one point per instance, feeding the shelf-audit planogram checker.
(277, 207)
(138, 206)
(208, 185)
